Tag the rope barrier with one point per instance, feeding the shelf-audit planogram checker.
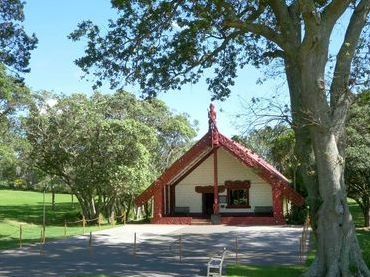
(15, 233)
(30, 231)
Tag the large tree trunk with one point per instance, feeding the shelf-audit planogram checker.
(367, 217)
(306, 172)
(87, 206)
(337, 246)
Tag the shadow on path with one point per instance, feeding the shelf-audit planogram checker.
(157, 255)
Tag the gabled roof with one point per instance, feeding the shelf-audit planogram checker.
(211, 140)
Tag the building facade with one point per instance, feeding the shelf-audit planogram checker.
(220, 180)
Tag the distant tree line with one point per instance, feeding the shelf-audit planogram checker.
(105, 149)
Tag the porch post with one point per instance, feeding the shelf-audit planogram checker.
(167, 200)
(158, 205)
(277, 202)
(215, 218)
(172, 199)
(215, 183)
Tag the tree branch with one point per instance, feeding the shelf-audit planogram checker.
(310, 17)
(339, 91)
(257, 29)
(281, 12)
(334, 10)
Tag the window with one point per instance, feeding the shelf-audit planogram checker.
(237, 194)
(239, 197)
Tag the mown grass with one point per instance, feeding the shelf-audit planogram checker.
(260, 271)
(25, 208)
(363, 236)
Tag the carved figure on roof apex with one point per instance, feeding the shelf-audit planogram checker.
(212, 116)
(212, 125)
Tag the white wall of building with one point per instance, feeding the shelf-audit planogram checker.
(229, 168)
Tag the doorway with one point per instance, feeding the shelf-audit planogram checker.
(208, 204)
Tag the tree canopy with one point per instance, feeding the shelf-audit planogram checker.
(165, 44)
(15, 44)
(104, 148)
(357, 171)
(162, 45)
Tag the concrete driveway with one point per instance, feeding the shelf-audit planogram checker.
(157, 251)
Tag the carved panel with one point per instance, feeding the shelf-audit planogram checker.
(208, 189)
(246, 184)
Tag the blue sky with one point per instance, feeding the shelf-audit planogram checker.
(52, 66)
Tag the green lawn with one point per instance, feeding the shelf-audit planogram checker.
(260, 271)
(287, 271)
(25, 208)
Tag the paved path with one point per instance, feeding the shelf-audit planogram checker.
(157, 251)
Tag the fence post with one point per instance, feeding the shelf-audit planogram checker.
(41, 244)
(20, 236)
(300, 250)
(135, 244)
(180, 248)
(65, 228)
(112, 219)
(90, 243)
(83, 224)
(236, 249)
(43, 235)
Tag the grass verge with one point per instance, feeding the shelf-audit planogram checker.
(25, 209)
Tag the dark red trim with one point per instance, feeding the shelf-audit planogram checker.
(277, 203)
(167, 189)
(238, 184)
(175, 169)
(158, 204)
(213, 139)
(263, 169)
(216, 207)
(209, 189)
(172, 199)
(228, 220)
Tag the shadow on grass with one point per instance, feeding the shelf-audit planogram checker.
(33, 214)
(364, 240)
(356, 212)
(11, 243)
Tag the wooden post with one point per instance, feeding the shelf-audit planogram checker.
(99, 221)
(215, 183)
(300, 250)
(83, 224)
(90, 243)
(90, 239)
(44, 235)
(41, 236)
(20, 236)
(135, 244)
(65, 228)
(236, 249)
(180, 248)
(41, 244)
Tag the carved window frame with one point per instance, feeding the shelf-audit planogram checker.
(234, 186)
